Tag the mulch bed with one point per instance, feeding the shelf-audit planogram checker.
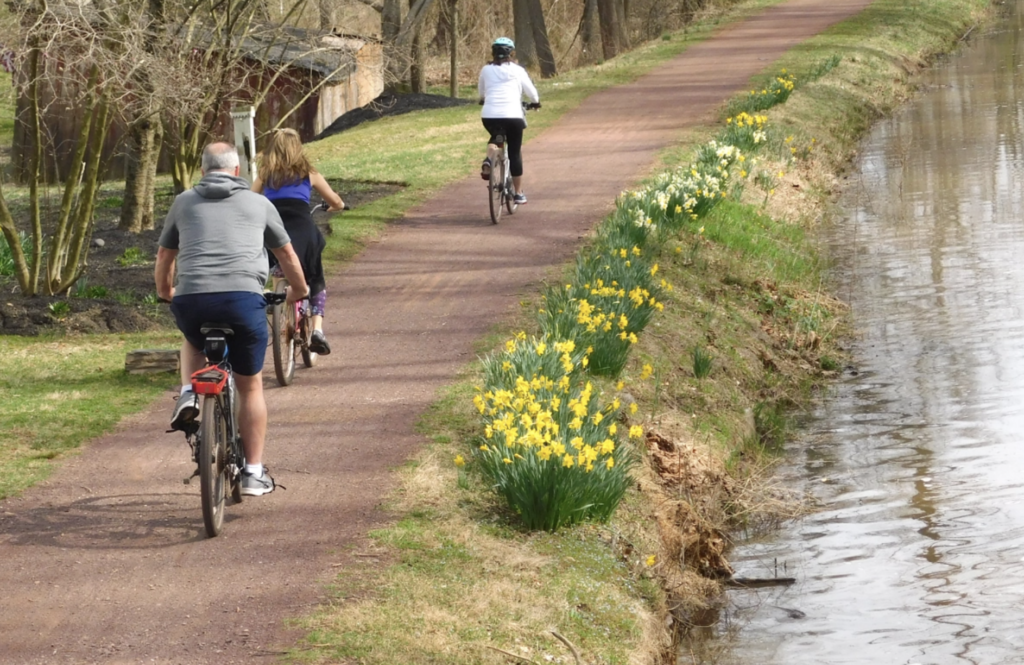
(390, 104)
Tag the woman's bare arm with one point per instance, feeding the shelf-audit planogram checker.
(319, 183)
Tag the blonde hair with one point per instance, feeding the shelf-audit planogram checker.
(283, 162)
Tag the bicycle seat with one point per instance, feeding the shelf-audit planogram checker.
(224, 328)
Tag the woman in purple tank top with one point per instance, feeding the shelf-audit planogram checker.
(287, 179)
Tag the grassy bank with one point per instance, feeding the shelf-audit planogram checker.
(749, 331)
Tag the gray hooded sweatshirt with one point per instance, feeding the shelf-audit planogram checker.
(222, 231)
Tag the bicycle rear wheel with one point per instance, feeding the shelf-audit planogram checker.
(495, 191)
(213, 468)
(282, 324)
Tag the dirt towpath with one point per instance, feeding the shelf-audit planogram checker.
(107, 562)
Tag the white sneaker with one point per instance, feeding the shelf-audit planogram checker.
(253, 485)
(185, 411)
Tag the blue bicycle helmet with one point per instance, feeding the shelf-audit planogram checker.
(502, 48)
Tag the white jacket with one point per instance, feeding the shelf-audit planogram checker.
(502, 88)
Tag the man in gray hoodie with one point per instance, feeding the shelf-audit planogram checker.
(219, 232)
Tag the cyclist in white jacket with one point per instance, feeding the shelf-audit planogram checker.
(501, 87)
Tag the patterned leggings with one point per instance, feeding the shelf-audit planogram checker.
(317, 303)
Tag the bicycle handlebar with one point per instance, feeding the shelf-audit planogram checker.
(274, 298)
(324, 205)
(532, 106)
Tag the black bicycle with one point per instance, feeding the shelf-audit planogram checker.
(214, 439)
(500, 190)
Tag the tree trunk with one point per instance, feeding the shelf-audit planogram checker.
(590, 30)
(540, 38)
(81, 231)
(609, 28)
(453, 65)
(526, 49)
(622, 23)
(417, 71)
(394, 60)
(60, 235)
(139, 188)
(31, 288)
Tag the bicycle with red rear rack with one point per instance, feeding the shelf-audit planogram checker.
(500, 190)
(214, 439)
(291, 328)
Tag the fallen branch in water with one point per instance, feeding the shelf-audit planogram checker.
(757, 582)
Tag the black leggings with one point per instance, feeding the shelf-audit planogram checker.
(512, 128)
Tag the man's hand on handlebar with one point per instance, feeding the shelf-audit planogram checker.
(531, 106)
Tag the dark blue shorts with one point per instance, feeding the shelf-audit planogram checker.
(244, 312)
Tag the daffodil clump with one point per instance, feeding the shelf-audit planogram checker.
(609, 302)
(776, 92)
(745, 131)
(685, 195)
(550, 445)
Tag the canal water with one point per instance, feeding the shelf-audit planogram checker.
(917, 458)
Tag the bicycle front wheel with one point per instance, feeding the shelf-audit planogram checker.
(282, 324)
(495, 191)
(213, 467)
(306, 330)
(510, 196)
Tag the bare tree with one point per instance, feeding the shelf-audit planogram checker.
(398, 35)
(74, 56)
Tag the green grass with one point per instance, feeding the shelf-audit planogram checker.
(59, 392)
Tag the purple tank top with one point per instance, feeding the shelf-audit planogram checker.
(296, 190)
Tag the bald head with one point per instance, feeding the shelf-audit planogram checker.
(220, 157)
